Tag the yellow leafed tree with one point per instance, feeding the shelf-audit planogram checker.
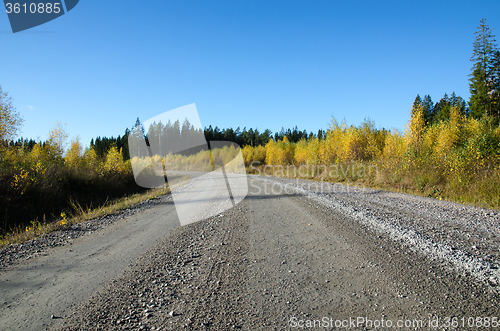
(73, 157)
(114, 161)
(416, 128)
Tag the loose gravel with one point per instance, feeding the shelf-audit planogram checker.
(158, 289)
(466, 237)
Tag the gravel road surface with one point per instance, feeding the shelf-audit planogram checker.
(291, 254)
(51, 283)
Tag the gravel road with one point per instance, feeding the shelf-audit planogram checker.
(293, 253)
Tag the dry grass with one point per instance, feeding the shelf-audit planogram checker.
(80, 215)
(483, 191)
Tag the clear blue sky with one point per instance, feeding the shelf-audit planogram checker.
(265, 64)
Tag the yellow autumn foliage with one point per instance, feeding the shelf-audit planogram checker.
(73, 157)
(114, 161)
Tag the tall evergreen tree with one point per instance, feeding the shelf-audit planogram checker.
(442, 109)
(428, 108)
(458, 101)
(138, 133)
(496, 83)
(417, 103)
(265, 137)
(482, 84)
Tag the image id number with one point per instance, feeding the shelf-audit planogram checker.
(33, 8)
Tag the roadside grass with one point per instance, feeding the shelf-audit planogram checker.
(481, 191)
(78, 215)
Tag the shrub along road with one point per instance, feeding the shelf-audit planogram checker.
(280, 259)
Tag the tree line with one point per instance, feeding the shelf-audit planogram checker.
(161, 136)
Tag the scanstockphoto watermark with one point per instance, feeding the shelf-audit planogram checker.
(306, 171)
(433, 322)
(354, 170)
(359, 322)
(290, 187)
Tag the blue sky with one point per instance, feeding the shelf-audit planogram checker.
(265, 64)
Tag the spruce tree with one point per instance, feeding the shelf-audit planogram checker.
(482, 85)
(417, 103)
(442, 109)
(428, 109)
(496, 84)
